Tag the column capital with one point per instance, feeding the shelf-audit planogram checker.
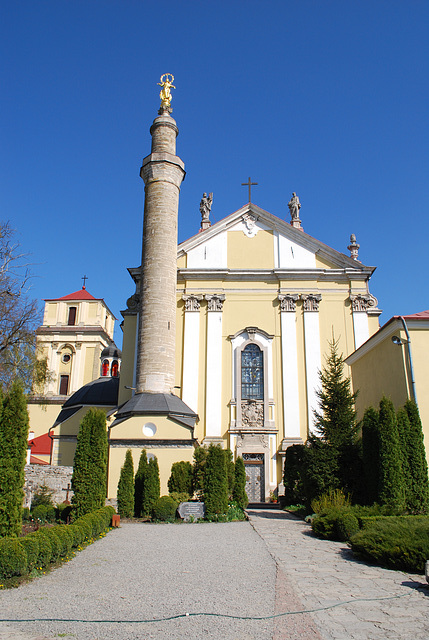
(360, 302)
(288, 301)
(192, 302)
(311, 301)
(215, 301)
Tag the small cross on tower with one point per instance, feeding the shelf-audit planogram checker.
(249, 183)
(84, 278)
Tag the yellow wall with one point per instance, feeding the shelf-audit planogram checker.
(245, 253)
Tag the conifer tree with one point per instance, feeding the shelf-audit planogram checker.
(139, 484)
(239, 493)
(13, 451)
(336, 420)
(391, 490)
(180, 480)
(200, 458)
(215, 482)
(90, 464)
(151, 488)
(404, 428)
(418, 499)
(125, 494)
(371, 454)
(230, 471)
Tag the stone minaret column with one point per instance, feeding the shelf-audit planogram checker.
(162, 173)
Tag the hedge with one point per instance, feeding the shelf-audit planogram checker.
(19, 556)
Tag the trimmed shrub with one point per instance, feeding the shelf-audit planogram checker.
(320, 469)
(200, 457)
(391, 475)
(90, 464)
(31, 546)
(230, 472)
(180, 480)
(139, 484)
(347, 525)
(40, 513)
(293, 474)
(55, 541)
(165, 509)
(13, 558)
(125, 493)
(239, 494)
(77, 533)
(179, 497)
(45, 548)
(215, 482)
(333, 499)
(371, 454)
(63, 512)
(151, 488)
(418, 498)
(397, 543)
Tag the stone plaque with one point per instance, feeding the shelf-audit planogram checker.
(191, 510)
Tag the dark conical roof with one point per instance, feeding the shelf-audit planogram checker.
(111, 351)
(103, 391)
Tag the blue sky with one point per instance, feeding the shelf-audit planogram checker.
(328, 99)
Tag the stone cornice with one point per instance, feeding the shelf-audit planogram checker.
(318, 275)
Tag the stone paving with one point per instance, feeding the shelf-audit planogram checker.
(322, 573)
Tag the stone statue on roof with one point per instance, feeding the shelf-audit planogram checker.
(205, 208)
(294, 206)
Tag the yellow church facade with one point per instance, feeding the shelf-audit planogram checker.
(258, 301)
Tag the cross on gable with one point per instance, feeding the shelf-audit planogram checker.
(249, 183)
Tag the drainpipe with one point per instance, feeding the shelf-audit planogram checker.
(413, 384)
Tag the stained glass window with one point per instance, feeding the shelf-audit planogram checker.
(252, 373)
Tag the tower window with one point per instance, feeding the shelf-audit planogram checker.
(72, 316)
(64, 385)
(105, 368)
(252, 373)
(114, 369)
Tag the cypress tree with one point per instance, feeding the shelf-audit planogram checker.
(200, 458)
(239, 493)
(371, 454)
(90, 464)
(391, 490)
(125, 494)
(418, 499)
(230, 471)
(151, 488)
(139, 484)
(215, 482)
(13, 452)
(403, 434)
(293, 475)
(180, 480)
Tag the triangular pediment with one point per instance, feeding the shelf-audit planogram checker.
(229, 242)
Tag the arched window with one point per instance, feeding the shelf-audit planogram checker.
(114, 369)
(252, 373)
(105, 368)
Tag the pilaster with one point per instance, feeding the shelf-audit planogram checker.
(312, 352)
(214, 366)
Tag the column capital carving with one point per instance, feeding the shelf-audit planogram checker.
(192, 302)
(288, 301)
(360, 302)
(215, 301)
(311, 301)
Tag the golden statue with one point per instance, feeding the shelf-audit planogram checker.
(166, 83)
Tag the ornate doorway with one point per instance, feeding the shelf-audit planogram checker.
(254, 467)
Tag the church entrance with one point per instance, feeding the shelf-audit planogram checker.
(254, 467)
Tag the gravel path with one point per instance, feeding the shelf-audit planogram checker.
(153, 571)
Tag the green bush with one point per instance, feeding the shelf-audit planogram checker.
(139, 481)
(165, 509)
(180, 480)
(31, 546)
(54, 539)
(151, 487)
(333, 499)
(215, 482)
(26, 515)
(125, 492)
(179, 497)
(239, 493)
(63, 512)
(200, 458)
(45, 548)
(396, 543)
(40, 513)
(77, 533)
(347, 525)
(13, 558)
(42, 495)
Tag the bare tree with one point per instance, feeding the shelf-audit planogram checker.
(19, 316)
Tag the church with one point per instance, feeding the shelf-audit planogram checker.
(224, 335)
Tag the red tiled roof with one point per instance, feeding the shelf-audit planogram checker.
(82, 294)
(40, 445)
(421, 314)
(34, 460)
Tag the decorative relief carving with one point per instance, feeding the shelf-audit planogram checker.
(253, 456)
(133, 302)
(353, 247)
(360, 302)
(192, 302)
(215, 301)
(311, 301)
(249, 223)
(373, 302)
(288, 301)
(252, 414)
(251, 331)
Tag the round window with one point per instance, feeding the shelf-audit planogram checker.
(66, 357)
(149, 429)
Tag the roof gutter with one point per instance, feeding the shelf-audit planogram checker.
(413, 383)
